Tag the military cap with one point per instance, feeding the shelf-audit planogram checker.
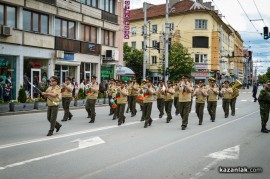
(268, 82)
(169, 82)
(122, 81)
(93, 77)
(54, 78)
(134, 78)
(68, 78)
(161, 80)
(185, 76)
(111, 79)
(200, 81)
(211, 79)
(149, 80)
(227, 81)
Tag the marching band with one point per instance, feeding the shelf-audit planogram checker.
(179, 93)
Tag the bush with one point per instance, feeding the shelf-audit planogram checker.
(81, 94)
(22, 95)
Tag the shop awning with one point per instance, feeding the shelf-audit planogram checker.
(124, 71)
(68, 63)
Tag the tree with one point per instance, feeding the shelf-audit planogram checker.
(268, 73)
(22, 95)
(134, 60)
(180, 61)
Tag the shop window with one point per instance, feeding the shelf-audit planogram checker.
(36, 22)
(8, 15)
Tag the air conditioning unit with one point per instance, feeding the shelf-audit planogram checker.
(7, 31)
(110, 54)
(59, 54)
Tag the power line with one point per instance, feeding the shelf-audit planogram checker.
(259, 12)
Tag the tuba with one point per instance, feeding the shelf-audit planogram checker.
(235, 88)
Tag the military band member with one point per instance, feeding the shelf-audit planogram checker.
(226, 92)
(148, 92)
(176, 98)
(134, 87)
(121, 102)
(191, 101)
(53, 94)
(264, 101)
(66, 91)
(160, 98)
(128, 97)
(111, 90)
(91, 90)
(115, 96)
(168, 100)
(235, 94)
(185, 91)
(201, 95)
(213, 93)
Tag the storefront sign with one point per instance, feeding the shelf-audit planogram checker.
(201, 66)
(36, 64)
(126, 19)
(91, 47)
(200, 74)
(203, 70)
(4, 63)
(69, 56)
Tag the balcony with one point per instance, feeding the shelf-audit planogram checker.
(52, 2)
(67, 45)
(90, 48)
(109, 17)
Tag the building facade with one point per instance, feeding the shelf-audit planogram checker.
(194, 24)
(41, 38)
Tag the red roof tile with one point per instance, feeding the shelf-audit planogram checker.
(159, 10)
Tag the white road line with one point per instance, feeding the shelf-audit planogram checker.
(164, 146)
(243, 100)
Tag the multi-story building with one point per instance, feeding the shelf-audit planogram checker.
(41, 38)
(194, 24)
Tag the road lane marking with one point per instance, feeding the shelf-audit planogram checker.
(82, 144)
(163, 147)
(230, 153)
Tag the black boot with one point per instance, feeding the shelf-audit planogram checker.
(50, 133)
(264, 130)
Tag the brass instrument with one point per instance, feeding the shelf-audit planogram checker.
(235, 89)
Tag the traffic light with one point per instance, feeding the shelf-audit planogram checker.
(265, 33)
(167, 72)
(158, 46)
(249, 55)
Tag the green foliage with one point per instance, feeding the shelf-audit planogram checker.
(262, 78)
(180, 61)
(81, 94)
(2, 102)
(30, 100)
(14, 102)
(268, 73)
(22, 95)
(134, 60)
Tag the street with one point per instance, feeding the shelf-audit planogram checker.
(105, 150)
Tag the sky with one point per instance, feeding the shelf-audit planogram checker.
(248, 17)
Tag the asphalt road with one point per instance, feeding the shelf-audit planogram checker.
(106, 150)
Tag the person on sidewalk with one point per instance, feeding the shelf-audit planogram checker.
(226, 92)
(168, 100)
(53, 97)
(91, 90)
(264, 101)
(121, 102)
(254, 91)
(66, 91)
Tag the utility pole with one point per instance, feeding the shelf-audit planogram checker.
(163, 52)
(220, 52)
(145, 39)
(149, 23)
(167, 26)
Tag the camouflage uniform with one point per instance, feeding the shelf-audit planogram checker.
(264, 101)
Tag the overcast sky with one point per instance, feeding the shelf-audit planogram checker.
(236, 17)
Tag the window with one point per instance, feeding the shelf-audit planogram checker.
(64, 28)
(154, 60)
(200, 42)
(200, 24)
(200, 58)
(133, 30)
(154, 28)
(36, 22)
(142, 44)
(142, 30)
(133, 45)
(8, 15)
(171, 26)
(107, 37)
(154, 42)
(92, 3)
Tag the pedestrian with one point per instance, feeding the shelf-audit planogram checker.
(1, 89)
(121, 102)
(168, 100)
(91, 90)
(53, 98)
(7, 92)
(254, 91)
(226, 92)
(201, 95)
(185, 91)
(213, 92)
(148, 91)
(66, 91)
(264, 101)
(160, 97)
